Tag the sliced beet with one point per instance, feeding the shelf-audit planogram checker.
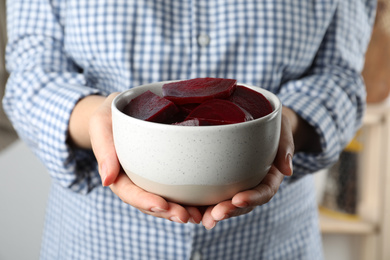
(151, 107)
(176, 118)
(187, 108)
(252, 101)
(198, 90)
(219, 112)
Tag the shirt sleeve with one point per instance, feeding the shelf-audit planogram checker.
(42, 90)
(331, 95)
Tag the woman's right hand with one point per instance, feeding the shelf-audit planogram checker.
(91, 127)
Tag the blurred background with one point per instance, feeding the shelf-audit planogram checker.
(354, 204)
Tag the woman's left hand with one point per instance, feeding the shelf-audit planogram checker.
(245, 201)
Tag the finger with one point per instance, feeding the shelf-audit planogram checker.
(222, 210)
(131, 194)
(283, 159)
(262, 193)
(195, 214)
(175, 213)
(100, 130)
(147, 202)
(208, 221)
(227, 209)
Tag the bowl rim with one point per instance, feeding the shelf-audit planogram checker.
(275, 102)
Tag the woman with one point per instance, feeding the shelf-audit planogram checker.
(66, 58)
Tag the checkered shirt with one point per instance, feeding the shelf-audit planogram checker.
(310, 53)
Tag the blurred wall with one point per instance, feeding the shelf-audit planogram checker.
(7, 134)
(24, 183)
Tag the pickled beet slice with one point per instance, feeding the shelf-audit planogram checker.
(151, 107)
(252, 101)
(187, 108)
(219, 112)
(198, 90)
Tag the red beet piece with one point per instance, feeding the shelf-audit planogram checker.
(198, 90)
(187, 108)
(151, 107)
(252, 101)
(219, 112)
(176, 118)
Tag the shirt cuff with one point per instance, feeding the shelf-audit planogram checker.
(73, 168)
(318, 117)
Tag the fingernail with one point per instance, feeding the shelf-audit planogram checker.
(176, 219)
(157, 209)
(103, 173)
(290, 163)
(221, 217)
(241, 204)
(212, 226)
(192, 221)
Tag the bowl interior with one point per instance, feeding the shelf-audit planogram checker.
(125, 97)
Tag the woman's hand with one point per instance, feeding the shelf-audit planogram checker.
(295, 135)
(90, 126)
(245, 201)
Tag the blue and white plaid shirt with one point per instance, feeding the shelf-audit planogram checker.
(310, 53)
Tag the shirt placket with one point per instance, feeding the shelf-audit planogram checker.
(201, 38)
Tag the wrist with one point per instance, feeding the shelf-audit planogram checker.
(79, 120)
(305, 136)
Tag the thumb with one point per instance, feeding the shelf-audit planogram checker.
(100, 131)
(283, 159)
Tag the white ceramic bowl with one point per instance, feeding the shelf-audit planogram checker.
(195, 165)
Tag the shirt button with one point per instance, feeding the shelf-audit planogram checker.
(196, 256)
(203, 39)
